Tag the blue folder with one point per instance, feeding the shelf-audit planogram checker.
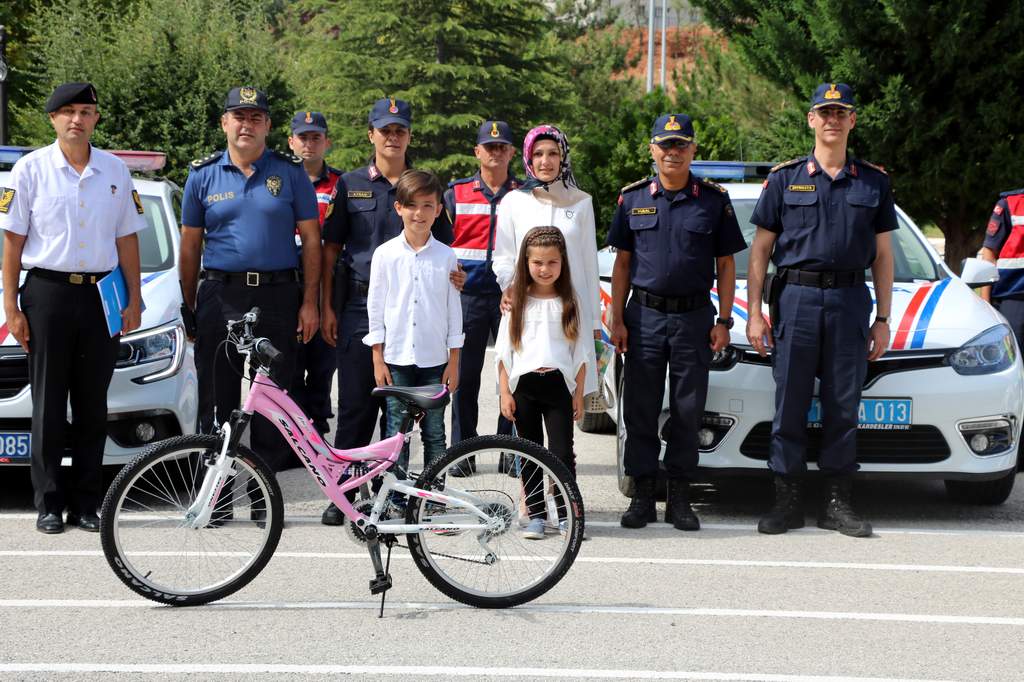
(114, 294)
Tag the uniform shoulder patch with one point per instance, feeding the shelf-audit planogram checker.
(6, 197)
(459, 181)
(787, 164)
(1010, 193)
(874, 166)
(713, 185)
(206, 160)
(288, 156)
(635, 185)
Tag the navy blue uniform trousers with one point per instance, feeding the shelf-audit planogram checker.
(358, 411)
(680, 341)
(820, 333)
(481, 315)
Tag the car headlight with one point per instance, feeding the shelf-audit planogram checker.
(166, 343)
(724, 359)
(991, 351)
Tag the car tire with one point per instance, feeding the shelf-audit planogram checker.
(596, 422)
(985, 493)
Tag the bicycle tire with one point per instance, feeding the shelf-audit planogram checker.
(474, 447)
(114, 505)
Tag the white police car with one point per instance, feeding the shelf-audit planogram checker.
(153, 391)
(945, 401)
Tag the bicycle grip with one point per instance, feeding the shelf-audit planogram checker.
(266, 353)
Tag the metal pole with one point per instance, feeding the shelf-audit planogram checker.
(664, 13)
(650, 45)
(3, 86)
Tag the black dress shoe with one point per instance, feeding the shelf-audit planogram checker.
(466, 467)
(49, 523)
(85, 521)
(258, 516)
(332, 516)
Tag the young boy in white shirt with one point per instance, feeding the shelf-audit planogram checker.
(414, 310)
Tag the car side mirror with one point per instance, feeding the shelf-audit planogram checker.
(977, 272)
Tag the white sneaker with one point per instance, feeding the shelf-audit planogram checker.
(534, 530)
(563, 527)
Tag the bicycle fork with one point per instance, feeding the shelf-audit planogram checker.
(217, 473)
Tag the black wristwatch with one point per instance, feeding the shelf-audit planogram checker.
(728, 322)
(882, 319)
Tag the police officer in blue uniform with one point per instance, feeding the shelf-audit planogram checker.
(245, 203)
(360, 218)
(828, 217)
(671, 233)
(472, 207)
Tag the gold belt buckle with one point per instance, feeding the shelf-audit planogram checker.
(252, 279)
(76, 278)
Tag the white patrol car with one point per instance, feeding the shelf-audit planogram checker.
(945, 401)
(152, 394)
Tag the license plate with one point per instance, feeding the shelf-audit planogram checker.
(874, 413)
(15, 448)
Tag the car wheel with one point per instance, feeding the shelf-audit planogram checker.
(981, 492)
(596, 422)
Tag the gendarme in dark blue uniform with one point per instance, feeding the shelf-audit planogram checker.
(1004, 245)
(249, 260)
(361, 218)
(826, 239)
(673, 238)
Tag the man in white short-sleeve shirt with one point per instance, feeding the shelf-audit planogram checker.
(70, 215)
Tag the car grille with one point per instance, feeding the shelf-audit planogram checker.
(920, 444)
(890, 363)
(13, 371)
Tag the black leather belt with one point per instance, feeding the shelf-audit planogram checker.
(68, 277)
(251, 279)
(671, 304)
(358, 286)
(825, 280)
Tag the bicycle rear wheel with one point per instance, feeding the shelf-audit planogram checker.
(153, 549)
(501, 566)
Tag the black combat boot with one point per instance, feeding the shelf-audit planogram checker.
(787, 512)
(837, 510)
(677, 506)
(641, 508)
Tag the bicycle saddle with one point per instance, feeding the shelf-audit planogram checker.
(423, 397)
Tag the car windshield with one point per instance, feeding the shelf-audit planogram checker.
(156, 249)
(912, 260)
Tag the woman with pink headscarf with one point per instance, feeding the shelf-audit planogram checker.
(552, 197)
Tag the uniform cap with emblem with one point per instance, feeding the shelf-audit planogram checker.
(833, 95)
(492, 132)
(309, 122)
(71, 93)
(246, 97)
(390, 110)
(672, 127)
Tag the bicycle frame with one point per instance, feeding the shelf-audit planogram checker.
(328, 465)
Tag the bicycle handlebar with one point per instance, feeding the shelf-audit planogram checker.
(240, 333)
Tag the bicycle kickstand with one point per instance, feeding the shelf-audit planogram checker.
(382, 582)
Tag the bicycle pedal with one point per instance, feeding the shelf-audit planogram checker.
(380, 584)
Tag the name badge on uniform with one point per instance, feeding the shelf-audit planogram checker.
(6, 197)
(360, 194)
(801, 188)
(644, 210)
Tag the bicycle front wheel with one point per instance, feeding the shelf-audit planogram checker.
(536, 522)
(157, 553)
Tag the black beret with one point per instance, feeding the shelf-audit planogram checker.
(71, 93)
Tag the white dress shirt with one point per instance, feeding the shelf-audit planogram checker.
(414, 309)
(521, 211)
(543, 344)
(71, 220)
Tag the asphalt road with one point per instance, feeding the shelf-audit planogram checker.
(936, 594)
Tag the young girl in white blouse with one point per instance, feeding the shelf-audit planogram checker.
(541, 354)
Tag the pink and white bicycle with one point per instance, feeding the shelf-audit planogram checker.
(193, 519)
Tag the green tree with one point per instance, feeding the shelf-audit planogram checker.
(938, 87)
(458, 62)
(161, 69)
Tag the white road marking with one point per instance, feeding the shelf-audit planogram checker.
(932, 619)
(411, 670)
(657, 561)
(300, 520)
